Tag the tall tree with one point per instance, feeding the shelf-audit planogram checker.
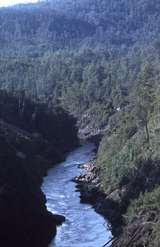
(144, 99)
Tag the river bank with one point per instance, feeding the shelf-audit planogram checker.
(88, 183)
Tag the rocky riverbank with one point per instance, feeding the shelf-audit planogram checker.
(91, 192)
(113, 204)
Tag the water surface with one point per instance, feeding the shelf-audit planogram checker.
(83, 226)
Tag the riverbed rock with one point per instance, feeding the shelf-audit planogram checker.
(58, 219)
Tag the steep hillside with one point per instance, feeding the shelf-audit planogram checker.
(119, 23)
(32, 138)
(126, 177)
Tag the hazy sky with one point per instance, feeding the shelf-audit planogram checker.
(12, 2)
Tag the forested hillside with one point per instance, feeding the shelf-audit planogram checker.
(51, 25)
(34, 31)
(100, 61)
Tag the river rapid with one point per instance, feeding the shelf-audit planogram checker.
(83, 226)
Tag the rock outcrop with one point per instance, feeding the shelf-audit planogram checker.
(89, 186)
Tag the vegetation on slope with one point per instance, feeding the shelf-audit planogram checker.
(129, 162)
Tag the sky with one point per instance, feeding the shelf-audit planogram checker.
(5, 3)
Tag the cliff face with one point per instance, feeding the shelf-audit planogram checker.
(24, 159)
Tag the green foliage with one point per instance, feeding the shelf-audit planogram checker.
(145, 99)
(52, 25)
(145, 202)
(118, 154)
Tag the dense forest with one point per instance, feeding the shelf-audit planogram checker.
(99, 60)
(47, 26)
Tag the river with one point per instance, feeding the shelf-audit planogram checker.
(83, 226)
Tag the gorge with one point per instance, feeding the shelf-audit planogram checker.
(86, 70)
